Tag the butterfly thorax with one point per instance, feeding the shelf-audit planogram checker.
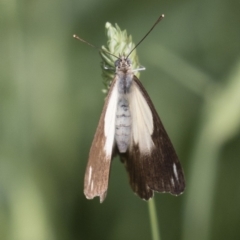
(124, 74)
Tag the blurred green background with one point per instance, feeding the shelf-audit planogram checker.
(51, 100)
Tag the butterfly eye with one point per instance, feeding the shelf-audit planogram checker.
(117, 62)
(128, 61)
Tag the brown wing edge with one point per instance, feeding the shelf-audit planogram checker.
(98, 166)
(154, 171)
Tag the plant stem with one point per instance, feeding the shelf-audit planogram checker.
(153, 220)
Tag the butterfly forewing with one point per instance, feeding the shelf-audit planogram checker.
(102, 150)
(154, 168)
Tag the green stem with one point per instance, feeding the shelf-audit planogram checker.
(220, 122)
(153, 220)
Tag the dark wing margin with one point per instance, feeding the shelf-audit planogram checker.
(159, 169)
(98, 166)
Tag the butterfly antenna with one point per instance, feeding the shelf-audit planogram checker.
(89, 44)
(159, 19)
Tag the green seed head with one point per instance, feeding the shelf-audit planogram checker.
(119, 44)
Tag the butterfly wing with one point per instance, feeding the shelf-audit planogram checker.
(102, 149)
(151, 160)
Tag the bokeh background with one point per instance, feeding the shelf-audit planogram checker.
(51, 100)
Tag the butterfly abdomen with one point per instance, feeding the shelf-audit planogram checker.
(123, 124)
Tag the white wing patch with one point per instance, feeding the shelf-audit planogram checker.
(175, 170)
(172, 181)
(91, 185)
(142, 119)
(109, 122)
(90, 175)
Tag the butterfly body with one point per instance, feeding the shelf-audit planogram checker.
(123, 121)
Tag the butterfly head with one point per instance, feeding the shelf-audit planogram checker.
(123, 64)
